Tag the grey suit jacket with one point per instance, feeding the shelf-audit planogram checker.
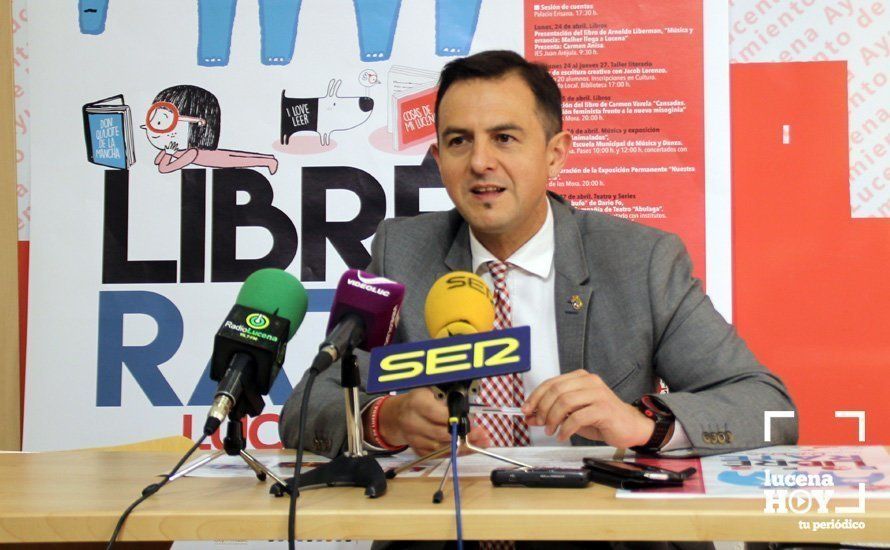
(643, 316)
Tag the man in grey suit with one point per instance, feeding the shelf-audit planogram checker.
(620, 308)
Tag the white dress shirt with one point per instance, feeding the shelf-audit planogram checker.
(530, 283)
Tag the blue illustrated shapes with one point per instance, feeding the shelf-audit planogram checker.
(754, 479)
(278, 30)
(455, 26)
(215, 21)
(376, 20)
(91, 16)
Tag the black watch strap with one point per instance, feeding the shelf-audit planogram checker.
(663, 418)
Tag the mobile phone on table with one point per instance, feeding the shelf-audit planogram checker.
(540, 477)
(637, 471)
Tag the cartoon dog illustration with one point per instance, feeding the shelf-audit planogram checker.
(324, 115)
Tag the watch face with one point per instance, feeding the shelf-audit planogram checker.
(663, 418)
(653, 406)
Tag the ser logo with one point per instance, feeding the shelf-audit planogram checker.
(448, 359)
(475, 283)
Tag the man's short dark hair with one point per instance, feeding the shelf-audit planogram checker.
(498, 64)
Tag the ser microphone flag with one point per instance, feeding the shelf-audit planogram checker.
(249, 347)
(459, 314)
(446, 360)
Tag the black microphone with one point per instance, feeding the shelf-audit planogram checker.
(249, 347)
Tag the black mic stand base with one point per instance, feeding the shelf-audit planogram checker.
(233, 445)
(456, 396)
(344, 471)
(463, 444)
(354, 468)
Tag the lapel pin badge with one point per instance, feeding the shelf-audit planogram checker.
(577, 302)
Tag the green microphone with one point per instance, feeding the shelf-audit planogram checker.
(249, 347)
(275, 291)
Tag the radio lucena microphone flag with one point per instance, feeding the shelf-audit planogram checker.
(249, 347)
(459, 314)
(364, 315)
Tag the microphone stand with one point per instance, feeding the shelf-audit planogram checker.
(456, 395)
(234, 444)
(354, 468)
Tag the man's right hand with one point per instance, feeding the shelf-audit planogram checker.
(419, 420)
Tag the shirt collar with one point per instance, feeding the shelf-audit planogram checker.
(535, 256)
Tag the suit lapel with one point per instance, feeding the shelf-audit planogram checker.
(572, 288)
(458, 257)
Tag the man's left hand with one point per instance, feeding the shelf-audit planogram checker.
(581, 403)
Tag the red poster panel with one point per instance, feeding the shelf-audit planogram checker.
(632, 77)
(811, 290)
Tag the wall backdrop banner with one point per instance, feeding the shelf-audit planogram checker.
(833, 30)
(176, 147)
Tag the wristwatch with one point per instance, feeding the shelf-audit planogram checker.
(663, 418)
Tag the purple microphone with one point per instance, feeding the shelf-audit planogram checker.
(364, 315)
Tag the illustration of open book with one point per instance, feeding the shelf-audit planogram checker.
(108, 131)
(411, 112)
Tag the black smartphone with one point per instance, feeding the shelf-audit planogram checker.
(636, 470)
(540, 477)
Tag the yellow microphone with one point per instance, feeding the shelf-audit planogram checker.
(459, 303)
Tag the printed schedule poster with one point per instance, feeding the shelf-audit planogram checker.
(632, 78)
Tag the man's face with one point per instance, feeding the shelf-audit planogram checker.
(494, 156)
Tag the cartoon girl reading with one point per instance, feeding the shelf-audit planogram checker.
(184, 123)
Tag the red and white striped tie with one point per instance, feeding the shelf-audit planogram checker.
(507, 390)
(502, 391)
